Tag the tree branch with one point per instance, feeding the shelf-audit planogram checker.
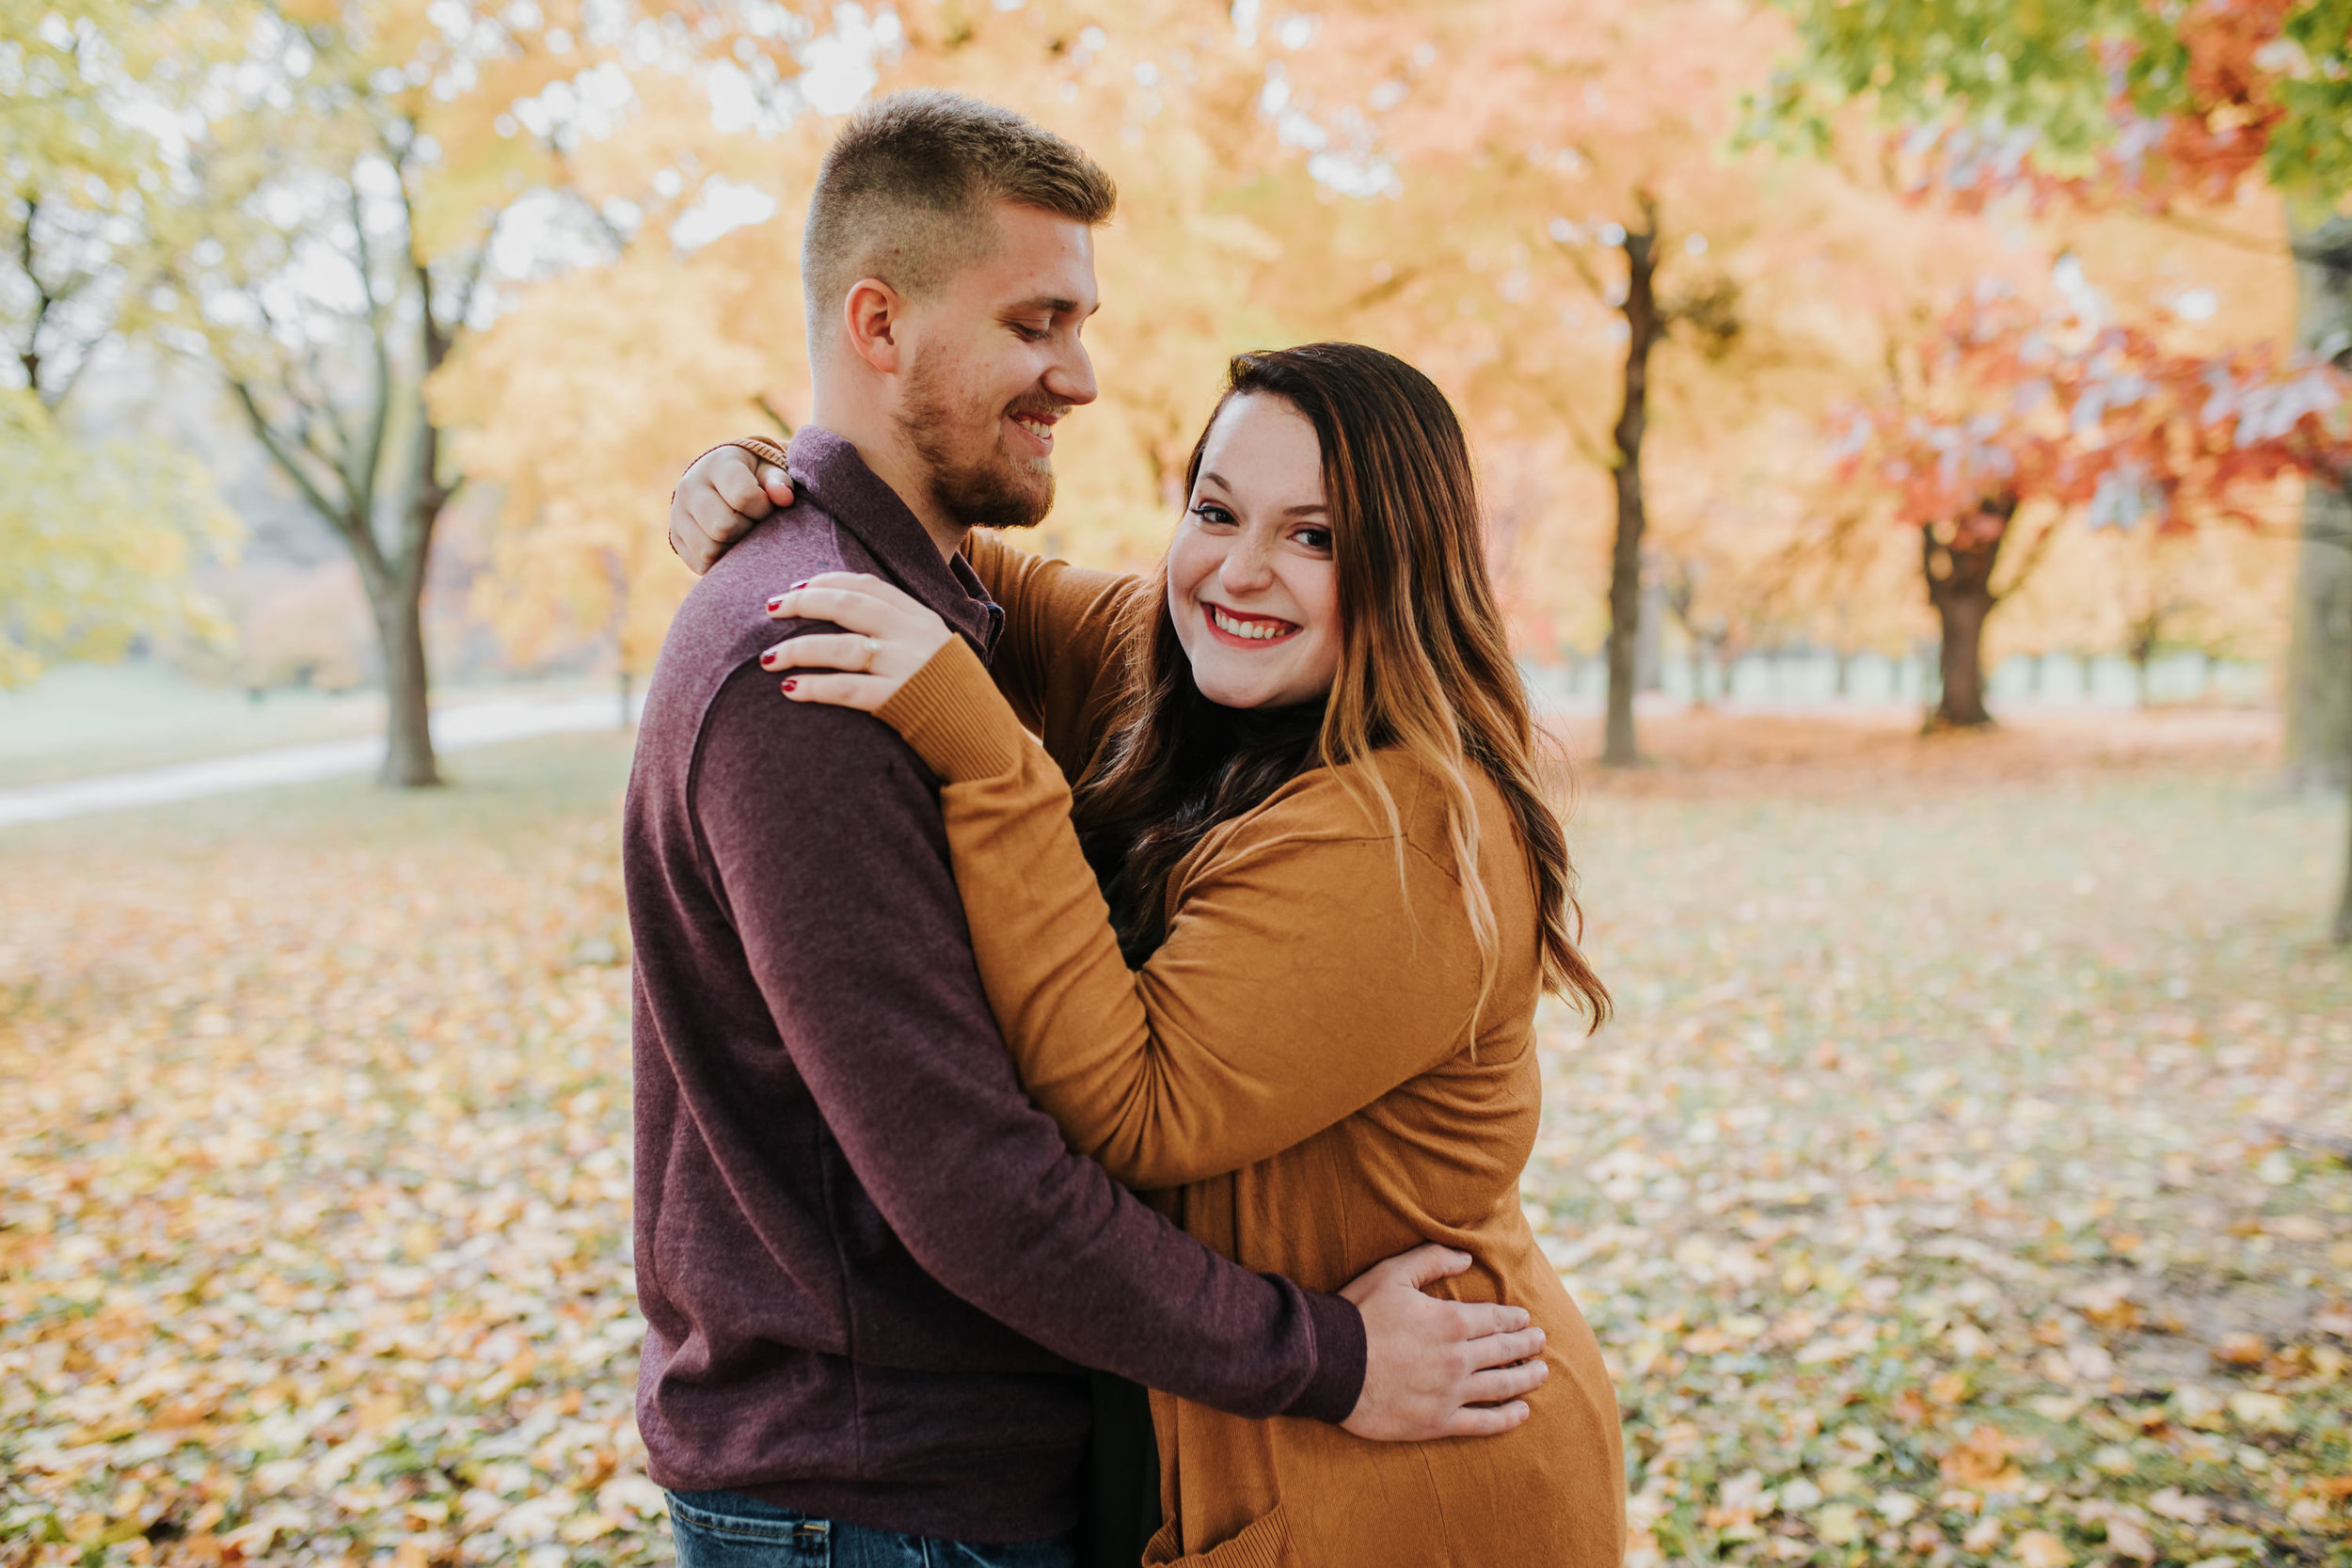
(29, 356)
(1583, 267)
(759, 401)
(2221, 233)
(2032, 559)
(370, 453)
(354, 528)
(473, 283)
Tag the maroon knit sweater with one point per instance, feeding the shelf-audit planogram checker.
(868, 1264)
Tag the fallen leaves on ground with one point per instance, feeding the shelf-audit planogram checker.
(1947, 1190)
(1928, 1196)
(316, 1206)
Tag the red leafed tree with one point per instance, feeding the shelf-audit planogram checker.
(2010, 420)
(2174, 110)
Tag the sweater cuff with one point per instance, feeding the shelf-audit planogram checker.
(950, 713)
(761, 449)
(1331, 1394)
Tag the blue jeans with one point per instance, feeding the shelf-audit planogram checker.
(723, 1529)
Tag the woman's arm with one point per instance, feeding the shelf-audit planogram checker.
(1308, 974)
(1058, 662)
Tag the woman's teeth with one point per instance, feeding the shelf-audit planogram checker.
(1260, 631)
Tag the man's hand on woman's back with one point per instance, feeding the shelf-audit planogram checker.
(1435, 1368)
(719, 499)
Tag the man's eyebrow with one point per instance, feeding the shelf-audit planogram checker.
(1052, 304)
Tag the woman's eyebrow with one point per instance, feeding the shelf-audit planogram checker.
(1303, 509)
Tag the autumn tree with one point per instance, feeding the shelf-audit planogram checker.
(340, 215)
(2173, 109)
(87, 563)
(77, 178)
(581, 404)
(2007, 421)
(1578, 250)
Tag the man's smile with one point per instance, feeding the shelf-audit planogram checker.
(1038, 428)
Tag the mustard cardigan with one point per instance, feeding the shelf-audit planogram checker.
(1302, 1075)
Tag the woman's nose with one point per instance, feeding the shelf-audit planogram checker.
(1249, 566)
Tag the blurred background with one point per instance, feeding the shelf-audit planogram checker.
(1917, 454)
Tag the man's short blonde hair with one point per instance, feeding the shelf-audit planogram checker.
(908, 192)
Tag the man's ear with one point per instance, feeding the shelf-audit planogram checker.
(874, 315)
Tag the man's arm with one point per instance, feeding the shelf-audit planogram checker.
(822, 831)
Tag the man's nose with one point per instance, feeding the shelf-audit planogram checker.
(1071, 377)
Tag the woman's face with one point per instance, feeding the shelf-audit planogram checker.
(1250, 582)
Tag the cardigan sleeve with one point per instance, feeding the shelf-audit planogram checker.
(1059, 661)
(1317, 961)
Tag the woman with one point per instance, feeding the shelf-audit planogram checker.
(1308, 818)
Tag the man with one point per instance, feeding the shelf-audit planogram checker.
(871, 1269)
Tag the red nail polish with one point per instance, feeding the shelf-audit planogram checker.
(803, 583)
(766, 662)
(789, 684)
(775, 604)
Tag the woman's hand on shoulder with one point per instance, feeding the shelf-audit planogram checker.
(888, 635)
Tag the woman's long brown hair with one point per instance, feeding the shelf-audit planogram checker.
(1425, 668)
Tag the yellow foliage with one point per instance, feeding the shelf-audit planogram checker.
(89, 559)
(582, 406)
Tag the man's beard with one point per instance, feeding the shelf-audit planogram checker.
(989, 490)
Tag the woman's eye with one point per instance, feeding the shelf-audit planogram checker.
(1209, 512)
(1315, 538)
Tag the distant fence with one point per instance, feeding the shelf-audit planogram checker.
(1810, 679)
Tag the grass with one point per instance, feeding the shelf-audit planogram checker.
(1952, 1187)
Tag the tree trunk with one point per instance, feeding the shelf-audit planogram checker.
(1960, 586)
(1625, 573)
(2319, 649)
(409, 760)
(616, 573)
(2343, 904)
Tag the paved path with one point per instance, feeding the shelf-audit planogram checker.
(454, 729)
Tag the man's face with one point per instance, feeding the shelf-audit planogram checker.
(995, 362)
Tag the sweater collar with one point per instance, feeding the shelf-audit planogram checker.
(828, 471)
